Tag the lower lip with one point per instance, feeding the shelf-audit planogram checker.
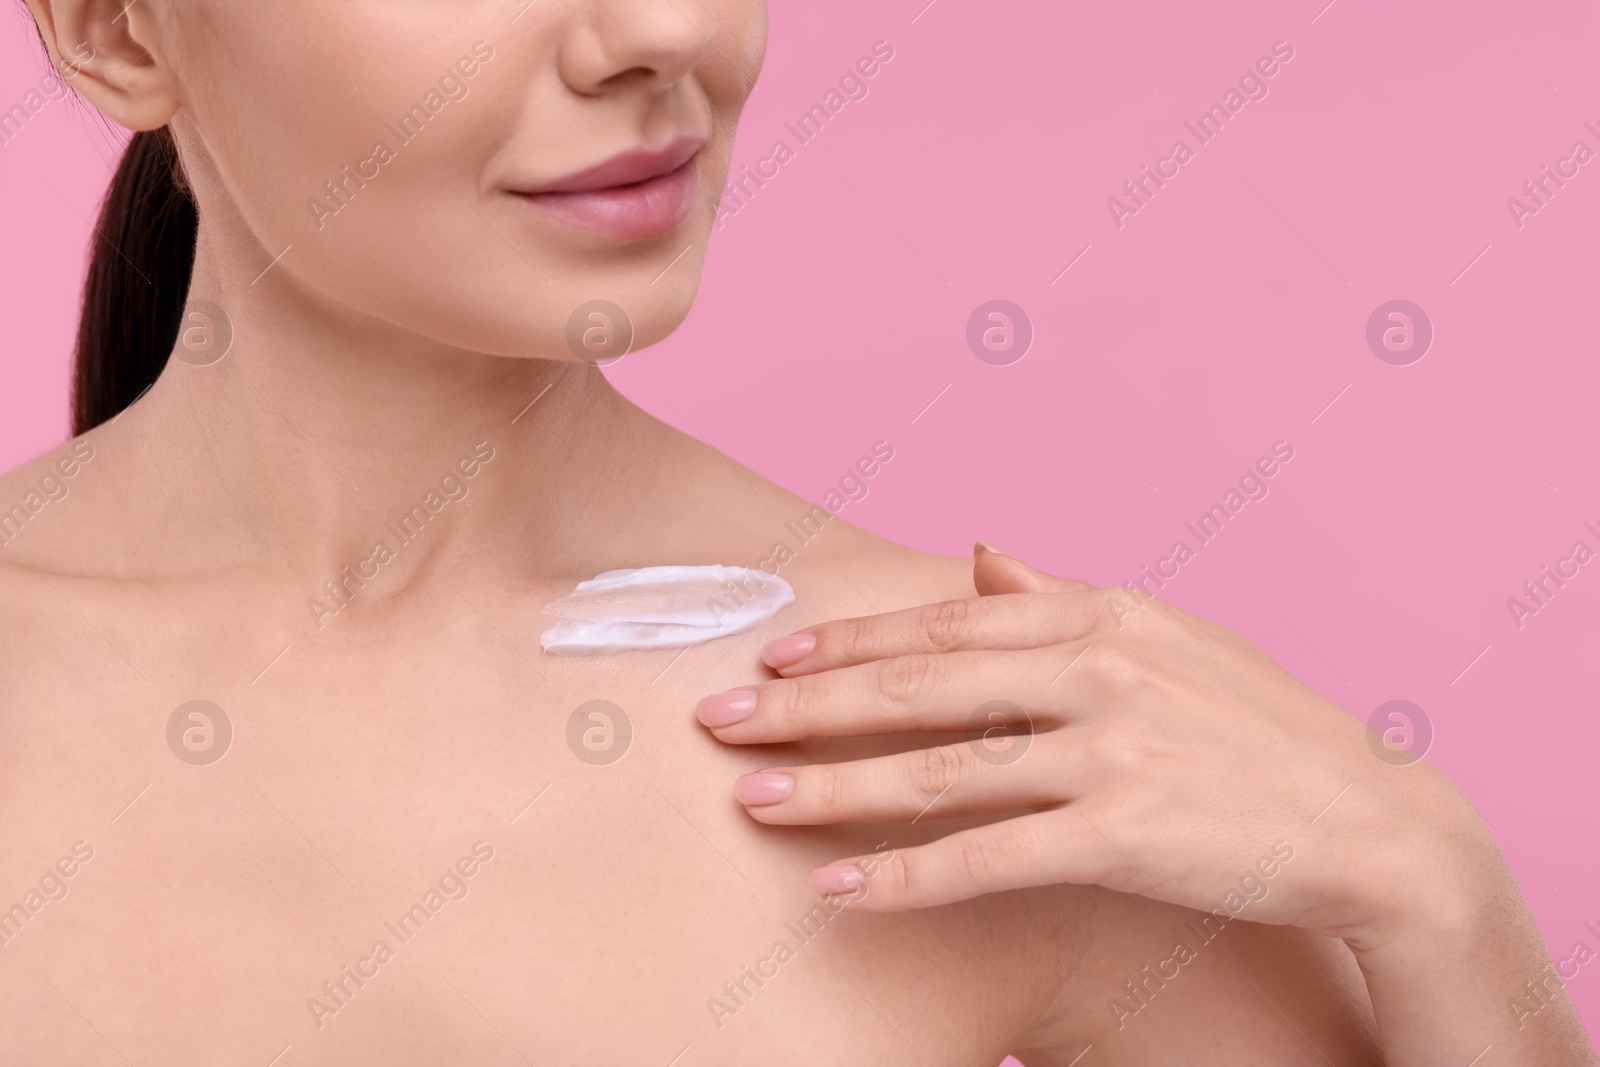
(627, 212)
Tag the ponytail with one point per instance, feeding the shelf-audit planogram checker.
(138, 280)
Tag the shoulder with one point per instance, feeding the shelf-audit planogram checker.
(53, 529)
(37, 509)
(843, 571)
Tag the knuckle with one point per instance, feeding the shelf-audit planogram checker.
(933, 771)
(779, 703)
(825, 787)
(1116, 667)
(845, 641)
(903, 680)
(893, 878)
(948, 625)
(1116, 606)
(1119, 751)
(979, 856)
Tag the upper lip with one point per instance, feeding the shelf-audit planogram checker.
(626, 168)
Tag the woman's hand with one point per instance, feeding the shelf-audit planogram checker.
(1152, 752)
(1148, 751)
(1142, 749)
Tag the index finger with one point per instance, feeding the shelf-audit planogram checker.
(1012, 621)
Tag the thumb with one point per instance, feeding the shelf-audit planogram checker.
(995, 572)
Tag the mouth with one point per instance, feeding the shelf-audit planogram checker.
(633, 196)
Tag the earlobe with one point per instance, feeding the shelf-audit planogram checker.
(109, 51)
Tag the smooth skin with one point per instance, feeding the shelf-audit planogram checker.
(1156, 754)
(373, 750)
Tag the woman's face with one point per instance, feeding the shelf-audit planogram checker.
(423, 161)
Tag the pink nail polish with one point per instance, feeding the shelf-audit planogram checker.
(725, 709)
(764, 787)
(787, 651)
(826, 880)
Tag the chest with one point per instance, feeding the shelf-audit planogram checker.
(433, 849)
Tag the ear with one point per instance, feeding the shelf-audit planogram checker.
(110, 52)
(995, 572)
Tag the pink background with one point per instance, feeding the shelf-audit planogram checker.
(1223, 317)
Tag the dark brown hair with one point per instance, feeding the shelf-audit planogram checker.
(138, 280)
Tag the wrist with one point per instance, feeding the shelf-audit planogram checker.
(1459, 964)
(1443, 886)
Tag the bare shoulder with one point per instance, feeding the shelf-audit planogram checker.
(44, 506)
(36, 516)
(846, 572)
(64, 536)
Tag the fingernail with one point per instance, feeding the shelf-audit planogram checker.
(764, 787)
(786, 651)
(827, 880)
(725, 709)
(987, 547)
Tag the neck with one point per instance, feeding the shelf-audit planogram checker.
(317, 434)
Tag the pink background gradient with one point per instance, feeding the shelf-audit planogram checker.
(1226, 315)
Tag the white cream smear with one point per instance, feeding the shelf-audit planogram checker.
(662, 607)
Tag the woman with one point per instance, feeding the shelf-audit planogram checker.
(288, 780)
